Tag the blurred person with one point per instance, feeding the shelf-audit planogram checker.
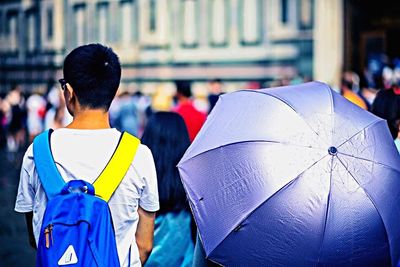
(367, 92)
(124, 114)
(200, 100)
(36, 111)
(167, 137)
(282, 80)
(397, 140)
(373, 74)
(274, 83)
(376, 62)
(143, 104)
(16, 114)
(286, 80)
(3, 136)
(162, 99)
(92, 75)
(347, 90)
(57, 116)
(52, 95)
(396, 70)
(296, 80)
(388, 77)
(215, 90)
(53, 99)
(194, 119)
(253, 85)
(387, 106)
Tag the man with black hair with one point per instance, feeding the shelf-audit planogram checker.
(83, 148)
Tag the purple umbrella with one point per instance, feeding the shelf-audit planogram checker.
(294, 176)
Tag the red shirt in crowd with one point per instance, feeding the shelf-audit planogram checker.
(194, 119)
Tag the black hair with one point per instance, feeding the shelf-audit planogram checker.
(387, 106)
(348, 84)
(94, 72)
(14, 86)
(183, 88)
(167, 137)
(216, 80)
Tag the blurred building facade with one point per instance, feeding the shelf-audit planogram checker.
(159, 40)
(163, 40)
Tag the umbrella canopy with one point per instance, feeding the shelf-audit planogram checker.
(294, 176)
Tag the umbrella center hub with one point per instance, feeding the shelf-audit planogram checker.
(332, 151)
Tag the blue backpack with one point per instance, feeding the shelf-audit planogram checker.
(77, 226)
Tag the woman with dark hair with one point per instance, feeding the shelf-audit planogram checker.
(167, 137)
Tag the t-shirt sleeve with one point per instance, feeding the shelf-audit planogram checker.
(149, 196)
(26, 193)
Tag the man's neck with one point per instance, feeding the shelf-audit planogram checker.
(90, 119)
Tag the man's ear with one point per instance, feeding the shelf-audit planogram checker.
(71, 93)
(70, 99)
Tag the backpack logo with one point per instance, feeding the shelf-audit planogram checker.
(69, 257)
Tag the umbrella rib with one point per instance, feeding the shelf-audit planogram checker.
(369, 160)
(363, 129)
(290, 106)
(368, 196)
(331, 97)
(332, 111)
(249, 141)
(326, 213)
(274, 194)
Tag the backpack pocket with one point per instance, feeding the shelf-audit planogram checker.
(65, 245)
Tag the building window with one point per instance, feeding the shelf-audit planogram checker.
(251, 22)
(31, 30)
(127, 22)
(306, 11)
(49, 16)
(284, 11)
(1, 23)
(189, 22)
(103, 20)
(80, 33)
(219, 17)
(153, 16)
(12, 30)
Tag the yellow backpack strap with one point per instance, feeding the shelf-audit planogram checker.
(115, 171)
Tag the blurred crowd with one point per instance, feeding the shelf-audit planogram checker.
(377, 90)
(24, 115)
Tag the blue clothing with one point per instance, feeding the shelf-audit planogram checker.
(124, 115)
(173, 245)
(199, 257)
(397, 143)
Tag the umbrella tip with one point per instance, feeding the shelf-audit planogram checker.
(332, 151)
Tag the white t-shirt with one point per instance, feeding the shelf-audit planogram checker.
(83, 154)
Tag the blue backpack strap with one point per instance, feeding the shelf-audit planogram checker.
(49, 176)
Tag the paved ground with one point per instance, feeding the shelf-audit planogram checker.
(14, 246)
